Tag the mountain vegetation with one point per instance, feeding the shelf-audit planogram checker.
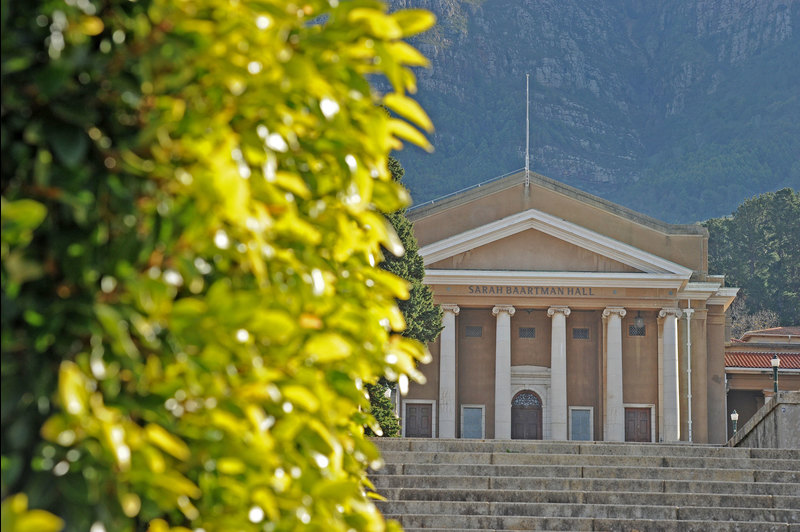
(193, 200)
(758, 250)
(677, 109)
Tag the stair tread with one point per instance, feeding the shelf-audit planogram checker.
(513, 485)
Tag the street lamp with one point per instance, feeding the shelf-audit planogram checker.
(775, 363)
(734, 420)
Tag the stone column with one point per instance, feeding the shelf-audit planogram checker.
(558, 372)
(447, 373)
(614, 427)
(502, 372)
(670, 397)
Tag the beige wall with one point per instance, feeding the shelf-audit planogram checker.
(715, 374)
(530, 351)
(532, 250)
(583, 364)
(429, 390)
(640, 363)
(475, 364)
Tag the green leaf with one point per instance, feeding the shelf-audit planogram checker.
(327, 347)
(413, 21)
(69, 142)
(408, 108)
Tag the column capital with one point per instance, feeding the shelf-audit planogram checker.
(450, 307)
(558, 309)
(503, 308)
(608, 311)
(664, 312)
(688, 312)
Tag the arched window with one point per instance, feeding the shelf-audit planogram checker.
(526, 398)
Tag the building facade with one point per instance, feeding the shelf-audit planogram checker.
(567, 317)
(748, 369)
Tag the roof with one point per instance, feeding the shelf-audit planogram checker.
(761, 360)
(517, 178)
(774, 331)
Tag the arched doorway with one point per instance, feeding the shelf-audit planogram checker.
(526, 416)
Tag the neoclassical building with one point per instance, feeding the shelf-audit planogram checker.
(567, 317)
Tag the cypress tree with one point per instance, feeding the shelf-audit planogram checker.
(423, 317)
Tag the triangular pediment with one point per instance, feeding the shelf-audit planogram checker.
(536, 241)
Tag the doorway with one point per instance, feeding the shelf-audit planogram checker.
(526, 416)
(637, 424)
(419, 420)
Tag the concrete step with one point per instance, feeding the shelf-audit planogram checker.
(502, 458)
(448, 509)
(591, 497)
(546, 485)
(455, 482)
(432, 522)
(571, 447)
(576, 471)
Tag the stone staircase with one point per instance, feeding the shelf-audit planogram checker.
(545, 485)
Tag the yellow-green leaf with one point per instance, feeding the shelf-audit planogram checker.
(408, 108)
(413, 21)
(403, 129)
(327, 347)
(167, 441)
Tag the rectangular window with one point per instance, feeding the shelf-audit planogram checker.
(527, 332)
(580, 423)
(472, 421)
(580, 333)
(473, 331)
(633, 330)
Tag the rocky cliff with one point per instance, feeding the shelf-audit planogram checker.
(679, 109)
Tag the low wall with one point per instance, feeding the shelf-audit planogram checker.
(775, 425)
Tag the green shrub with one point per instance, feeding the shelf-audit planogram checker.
(191, 227)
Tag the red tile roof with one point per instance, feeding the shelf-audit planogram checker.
(748, 359)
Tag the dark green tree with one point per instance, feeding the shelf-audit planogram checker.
(423, 317)
(758, 249)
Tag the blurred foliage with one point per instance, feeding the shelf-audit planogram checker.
(758, 250)
(191, 226)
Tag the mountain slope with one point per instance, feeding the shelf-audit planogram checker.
(678, 109)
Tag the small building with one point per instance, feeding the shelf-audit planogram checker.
(567, 316)
(748, 369)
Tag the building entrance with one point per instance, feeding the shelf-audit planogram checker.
(526, 416)
(418, 420)
(637, 424)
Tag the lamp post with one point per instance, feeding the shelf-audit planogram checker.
(734, 420)
(775, 363)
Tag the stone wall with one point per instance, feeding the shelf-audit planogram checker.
(775, 425)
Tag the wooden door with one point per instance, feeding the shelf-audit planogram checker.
(526, 416)
(419, 420)
(637, 424)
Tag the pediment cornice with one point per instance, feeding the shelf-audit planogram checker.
(559, 228)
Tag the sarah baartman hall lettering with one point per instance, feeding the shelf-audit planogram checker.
(567, 317)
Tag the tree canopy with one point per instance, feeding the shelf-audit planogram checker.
(192, 199)
(758, 250)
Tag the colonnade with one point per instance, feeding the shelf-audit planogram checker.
(614, 419)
